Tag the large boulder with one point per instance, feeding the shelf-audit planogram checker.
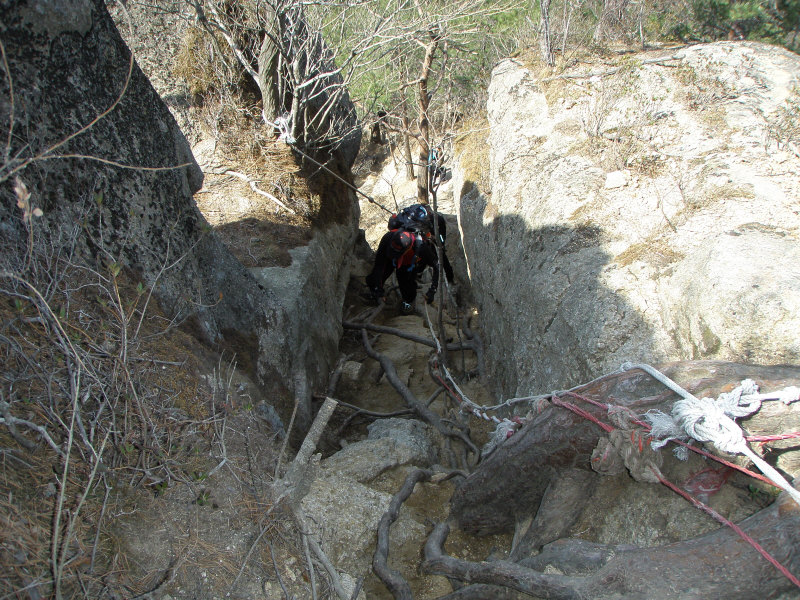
(645, 211)
(96, 146)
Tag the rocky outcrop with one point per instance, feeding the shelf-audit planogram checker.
(95, 145)
(645, 211)
(156, 37)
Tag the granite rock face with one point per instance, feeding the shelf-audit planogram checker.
(96, 146)
(645, 212)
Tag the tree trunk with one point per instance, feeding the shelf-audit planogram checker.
(424, 101)
(518, 477)
(545, 42)
(611, 18)
(407, 142)
(269, 79)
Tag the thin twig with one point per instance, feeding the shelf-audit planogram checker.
(312, 575)
(278, 572)
(252, 183)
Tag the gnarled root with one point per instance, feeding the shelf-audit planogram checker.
(716, 565)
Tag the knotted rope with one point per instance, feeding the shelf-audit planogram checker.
(709, 420)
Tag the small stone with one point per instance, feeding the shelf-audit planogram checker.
(616, 179)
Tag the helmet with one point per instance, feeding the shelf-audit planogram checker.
(400, 242)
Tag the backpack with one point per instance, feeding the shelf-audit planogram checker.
(417, 218)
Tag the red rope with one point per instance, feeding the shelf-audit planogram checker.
(579, 411)
(700, 451)
(714, 514)
(773, 438)
(734, 526)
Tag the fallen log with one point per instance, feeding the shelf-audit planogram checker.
(507, 488)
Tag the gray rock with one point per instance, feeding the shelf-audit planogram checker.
(391, 443)
(346, 515)
(363, 461)
(683, 247)
(411, 433)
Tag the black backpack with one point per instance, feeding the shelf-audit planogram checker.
(417, 218)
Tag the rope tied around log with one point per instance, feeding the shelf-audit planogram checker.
(709, 420)
(624, 449)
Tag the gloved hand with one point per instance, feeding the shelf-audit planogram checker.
(430, 296)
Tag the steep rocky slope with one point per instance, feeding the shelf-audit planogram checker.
(70, 66)
(216, 528)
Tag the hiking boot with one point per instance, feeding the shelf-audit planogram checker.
(406, 308)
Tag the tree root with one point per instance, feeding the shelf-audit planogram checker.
(453, 347)
(393, 580)
(503, 573)
(411, 401)
(520, 474)
(730, 567)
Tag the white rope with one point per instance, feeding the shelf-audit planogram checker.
(709, 420)
(658, 375)
(504, 429)
(474, 408)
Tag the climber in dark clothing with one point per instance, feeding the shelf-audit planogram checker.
(406, 253)
(419, 218)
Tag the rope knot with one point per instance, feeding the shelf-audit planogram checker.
(742, 401)
(706, 421)
(789, 395)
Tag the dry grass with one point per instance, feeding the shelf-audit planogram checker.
(655, 252)
(254, 228)
(472, 149)
(93, 336)
(784, 128)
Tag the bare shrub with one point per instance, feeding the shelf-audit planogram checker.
(86, 403)
(784, 130)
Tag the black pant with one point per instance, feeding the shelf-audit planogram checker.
(407, 280)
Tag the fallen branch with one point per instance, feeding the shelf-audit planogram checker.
(411, 401)
(295, 485)
(663, 62)
(405, 335)
(252, 183)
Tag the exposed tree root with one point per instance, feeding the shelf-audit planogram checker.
(482, 591)
(453, 347)
(503, 572)
(393, 580)
(515, 476)
(717, 565)
(521, 472)
(410, 399)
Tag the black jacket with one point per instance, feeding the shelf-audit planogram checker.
(407, 267)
